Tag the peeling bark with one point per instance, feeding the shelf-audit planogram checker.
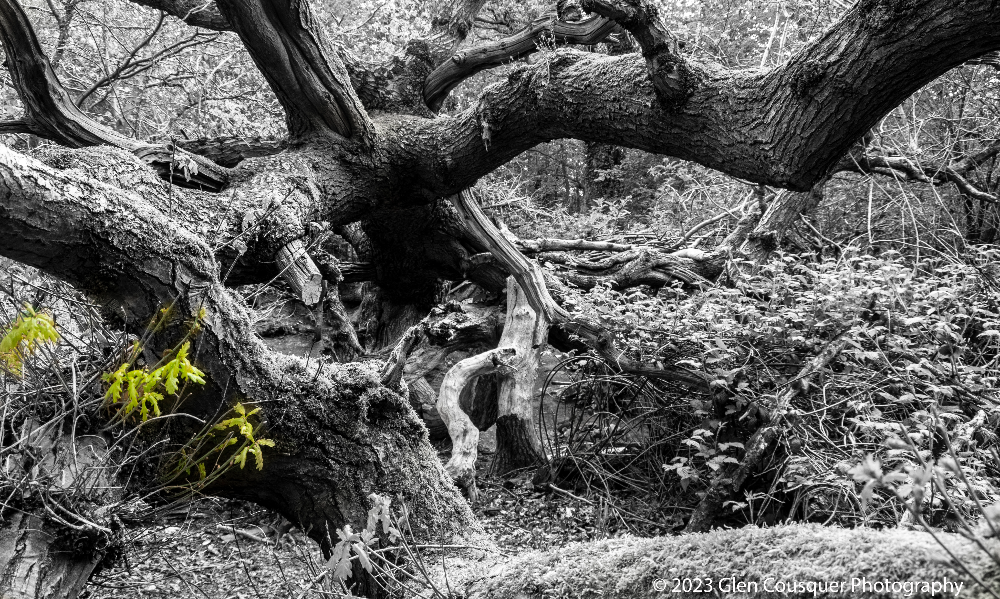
(31, 567)
(300, 272)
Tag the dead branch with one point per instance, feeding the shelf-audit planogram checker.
(536, 246)
(902, 168)
(536, 284)
(392, 371)
(516, 360)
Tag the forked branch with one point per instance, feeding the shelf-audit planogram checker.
(787, 127)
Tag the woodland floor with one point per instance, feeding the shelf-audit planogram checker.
(222, 549)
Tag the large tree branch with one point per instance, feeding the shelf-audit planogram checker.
(230, 151)
(785, 127)
(305, 72)
(52, 114)
(388, 85)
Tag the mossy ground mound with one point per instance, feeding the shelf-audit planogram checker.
(747, 562)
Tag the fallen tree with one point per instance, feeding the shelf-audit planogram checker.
(127, 223)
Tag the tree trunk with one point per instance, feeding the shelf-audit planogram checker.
(340, 434)
(600, 178)
(778, 220)
(101, 220)
(517, 443)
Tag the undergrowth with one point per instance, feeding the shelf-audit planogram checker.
(83, 407)
(919, 368)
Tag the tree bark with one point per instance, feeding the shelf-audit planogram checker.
(304, 70)
(33, 567)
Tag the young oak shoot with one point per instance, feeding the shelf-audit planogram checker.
(141, 387)
(29, 331)
(251, 445)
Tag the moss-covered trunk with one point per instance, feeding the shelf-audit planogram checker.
(340, 434)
